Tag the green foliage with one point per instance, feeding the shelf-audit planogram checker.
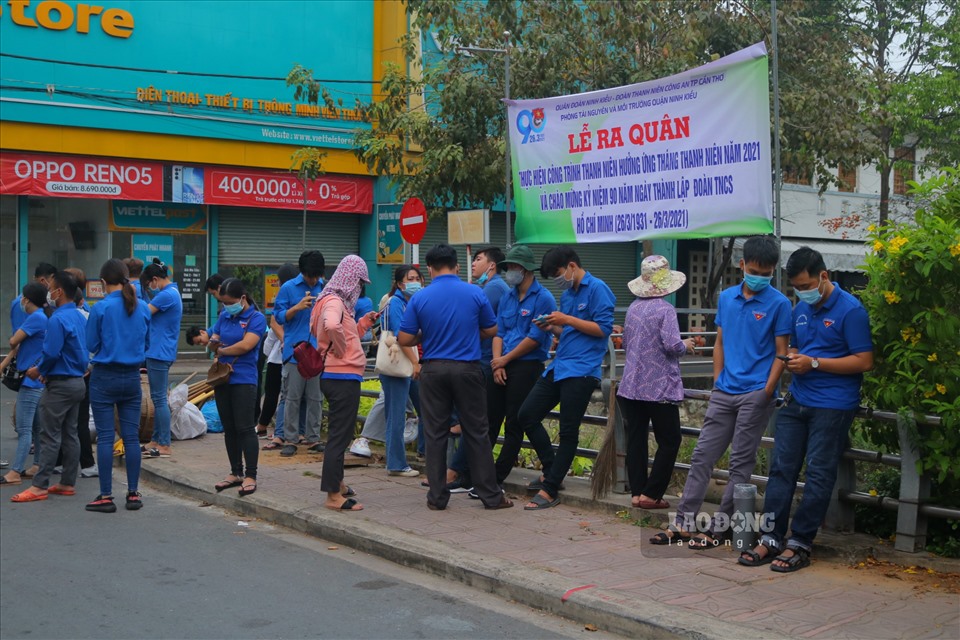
(913, 298)
(252, 277)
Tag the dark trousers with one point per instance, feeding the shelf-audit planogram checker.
(235, 405)
(271, 392)
(443, 385)
(261, 361)
(83, 431)
(343, 400)
(57, 416)
(637, 416)
(573, 394)
(504, 402)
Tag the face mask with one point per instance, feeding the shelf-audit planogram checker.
(513, 277)
(562, 282)
(811, 296)
(50, 300)
(412, 287)
(482, 279)
(756, 283)
(153, 289)
(233, 309)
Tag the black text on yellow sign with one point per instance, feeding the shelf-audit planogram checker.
(60, 16)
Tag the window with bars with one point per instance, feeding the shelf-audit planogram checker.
(903, 170)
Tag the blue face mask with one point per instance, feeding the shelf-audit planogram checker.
(756, 283)
(152, 289)
(811, 296)
(23, 306)
(482, 279)
(412, 287)
(233, 309)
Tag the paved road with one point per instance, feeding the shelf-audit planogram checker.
(179, 570)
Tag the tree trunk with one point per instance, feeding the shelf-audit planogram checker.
(885, 172)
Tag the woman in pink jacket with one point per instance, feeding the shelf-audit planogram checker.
(338, 335)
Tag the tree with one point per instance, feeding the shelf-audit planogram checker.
(909, 51)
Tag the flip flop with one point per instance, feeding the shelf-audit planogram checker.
(248, 490)
(272, 446)
(349, 493)
(66, 491)
(653, 504)
(3, 480)
(227, 484)
(541, 503)
(155, 453)
(27, 496)
(348, 505)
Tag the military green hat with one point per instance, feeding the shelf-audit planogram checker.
(521, 255)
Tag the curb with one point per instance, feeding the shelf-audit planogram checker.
(532, 587)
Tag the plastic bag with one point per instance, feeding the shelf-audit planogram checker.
(186, 421)
(410, 429)
(212, 417)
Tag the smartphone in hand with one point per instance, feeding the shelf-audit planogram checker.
(784, 358)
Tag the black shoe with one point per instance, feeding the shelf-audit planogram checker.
(316, 448)
(102, 504)
(288, 450)
(133, 501)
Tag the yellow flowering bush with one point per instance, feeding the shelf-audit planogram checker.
(913, 297)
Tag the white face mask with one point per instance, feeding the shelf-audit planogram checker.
(50, 300)
(513, 277)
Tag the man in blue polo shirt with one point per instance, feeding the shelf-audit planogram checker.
(292, 311)
(62, 366)
(42, 274)
(584, 324)
(519, 351)
(753, 327)
(450, 317)
(830, 349)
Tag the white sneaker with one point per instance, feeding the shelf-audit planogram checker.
(406, 473)
(90, 472)
(361, 447)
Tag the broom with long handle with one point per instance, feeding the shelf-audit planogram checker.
(605, 469)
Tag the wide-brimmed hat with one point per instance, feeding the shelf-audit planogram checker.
(521, 255)
(656, 279)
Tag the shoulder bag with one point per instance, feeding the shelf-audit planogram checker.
(391, 360)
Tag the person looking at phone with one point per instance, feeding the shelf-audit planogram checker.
(584, 324)
(166, 307)
(292, 310)
(753, 326)
(830, 349)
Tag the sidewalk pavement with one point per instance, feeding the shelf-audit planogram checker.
(581, 560)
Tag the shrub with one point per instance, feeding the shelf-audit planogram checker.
(913, 297)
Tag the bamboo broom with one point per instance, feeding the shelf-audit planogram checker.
(605, 469)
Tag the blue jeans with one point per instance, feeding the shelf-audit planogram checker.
(116, 387)
(820, 436)
(158, 374)
(278, 418)
(395, 394)
(27, 400)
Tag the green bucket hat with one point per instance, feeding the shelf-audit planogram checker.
(521, 255)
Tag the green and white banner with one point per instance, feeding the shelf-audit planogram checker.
(681, 157)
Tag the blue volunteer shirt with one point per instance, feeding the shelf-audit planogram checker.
(31, 349)
(750, 328)
(393, 316)
(297, 329)
(839, 328)
(17, 316)
(231, 330)
(165, 324)
(578, 354)
(515, 320)
(65, 345)
(450, 313)
(495, 289)
(115, 337)
(139, 289)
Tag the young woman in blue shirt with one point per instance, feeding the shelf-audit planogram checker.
(116, 336)
(167, 310)
(27, 346)
(236, 338)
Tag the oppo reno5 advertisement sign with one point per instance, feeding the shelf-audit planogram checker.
(206, 68)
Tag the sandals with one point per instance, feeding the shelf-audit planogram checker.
(60, 490)
(659, 503)
(349, 493)
(541, 503)
(662, 538)
(273, 445)
(348, 505)
(703, 541)
(754, 559)
(537, 485)
(248, 489)
(227, 484)
(799, 560)
(28, 496)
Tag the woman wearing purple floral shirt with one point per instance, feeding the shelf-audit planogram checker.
(651, 388)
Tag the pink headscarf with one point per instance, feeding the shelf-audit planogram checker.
(346, 281)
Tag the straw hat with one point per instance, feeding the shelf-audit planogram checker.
(656, 279)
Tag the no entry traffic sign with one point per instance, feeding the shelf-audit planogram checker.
(413, 220)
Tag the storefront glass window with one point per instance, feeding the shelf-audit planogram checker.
(8, 264)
